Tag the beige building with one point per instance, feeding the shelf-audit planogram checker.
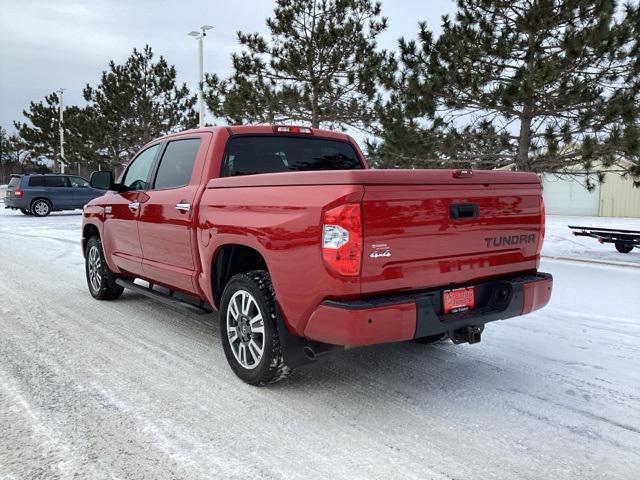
(567, 195)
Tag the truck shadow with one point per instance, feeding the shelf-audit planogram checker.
(418, 371)
(410, 367)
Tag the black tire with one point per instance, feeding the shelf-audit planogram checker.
(270, 366)
(101, 281)
(40, 207)
(431, 338)
(624, 247)
(25, 211)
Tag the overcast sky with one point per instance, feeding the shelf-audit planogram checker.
(48, 44)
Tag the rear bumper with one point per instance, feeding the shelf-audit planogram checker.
(14, 203)
(395, 318)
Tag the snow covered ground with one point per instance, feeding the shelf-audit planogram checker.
(560, 243)
(136, 389)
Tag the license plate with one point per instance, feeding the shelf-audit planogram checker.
(458, 300)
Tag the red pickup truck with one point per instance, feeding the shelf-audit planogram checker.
(301, 248)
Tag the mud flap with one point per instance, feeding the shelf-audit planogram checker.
(298, 351)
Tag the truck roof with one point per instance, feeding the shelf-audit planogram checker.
(265, 130)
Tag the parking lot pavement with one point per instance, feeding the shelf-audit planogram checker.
(135, 389)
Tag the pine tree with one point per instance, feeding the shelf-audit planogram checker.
(557, 79)
(41, 134)
(134, 103)
(319, 67)
(16, 157)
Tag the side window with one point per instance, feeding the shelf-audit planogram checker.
(137, 175)
(14, 182)
(36, 181)
(56, 182)
(78, 182)
(177, 163)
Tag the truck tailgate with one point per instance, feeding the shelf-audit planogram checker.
(429, 235)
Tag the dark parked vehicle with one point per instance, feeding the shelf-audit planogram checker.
(39, 194)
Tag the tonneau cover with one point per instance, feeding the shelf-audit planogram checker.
(376, 177)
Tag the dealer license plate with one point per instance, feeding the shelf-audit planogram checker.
(458, 300)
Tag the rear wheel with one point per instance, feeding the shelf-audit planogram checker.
(101, 281)
(25, 211)
(624, 247)
(249, 331)
(40, 207)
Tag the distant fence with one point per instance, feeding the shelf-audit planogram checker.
(70, 169)
(85, 171)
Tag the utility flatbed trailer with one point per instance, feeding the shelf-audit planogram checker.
(624, 240)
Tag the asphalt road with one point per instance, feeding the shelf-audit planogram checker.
(135, 389)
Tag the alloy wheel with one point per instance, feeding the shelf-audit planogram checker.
(41, 208)
(95, 262)
(245, 329)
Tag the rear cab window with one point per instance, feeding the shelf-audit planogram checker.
(249, 155)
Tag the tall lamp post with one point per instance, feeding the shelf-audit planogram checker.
(61, 93)
(199, 35)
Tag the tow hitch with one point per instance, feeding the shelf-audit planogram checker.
(466, 335)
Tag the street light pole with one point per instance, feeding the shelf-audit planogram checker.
(61, 92)
(199, 35)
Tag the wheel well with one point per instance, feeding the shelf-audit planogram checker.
(89, 231)
(231, 260)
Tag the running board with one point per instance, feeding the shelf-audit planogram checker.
(171, 298)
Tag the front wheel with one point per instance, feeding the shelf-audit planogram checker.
(101, 281)
(249, 331)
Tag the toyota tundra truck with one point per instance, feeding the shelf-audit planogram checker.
(302, 249)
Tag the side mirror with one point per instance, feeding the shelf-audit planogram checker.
(103, 180)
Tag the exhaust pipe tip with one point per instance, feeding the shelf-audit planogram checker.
(309, 353)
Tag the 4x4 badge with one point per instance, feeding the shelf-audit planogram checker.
(380, 250)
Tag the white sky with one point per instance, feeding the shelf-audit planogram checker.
(48, 44)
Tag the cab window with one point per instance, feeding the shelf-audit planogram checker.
(177, 163)
(137, 176)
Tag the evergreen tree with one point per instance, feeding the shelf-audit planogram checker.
(134, 103)
(319, 67)
(41, 134)
(543, 83)
(16, 157)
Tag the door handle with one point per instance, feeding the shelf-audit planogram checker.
(463, 210)
(133, 206)
(183, 207)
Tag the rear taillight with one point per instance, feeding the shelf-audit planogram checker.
(17, 193)
(542, 226)
(342, 239)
